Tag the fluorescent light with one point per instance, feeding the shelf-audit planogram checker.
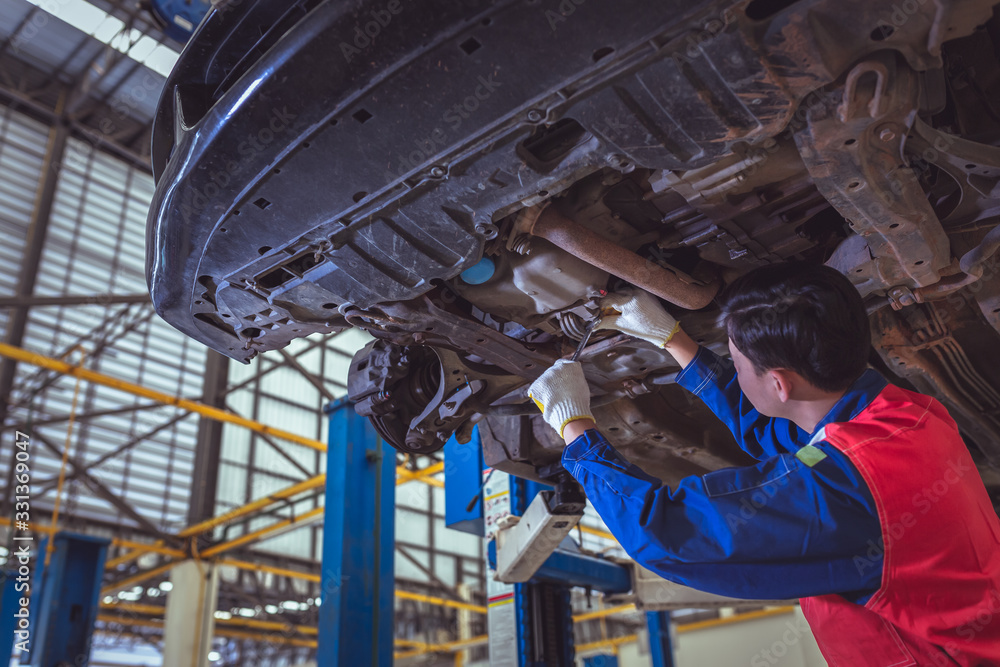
(83, 15)
(161, 59)
(111, 31)
(142, 48)
(106, 29)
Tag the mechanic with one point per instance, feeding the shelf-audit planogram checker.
(865, 502)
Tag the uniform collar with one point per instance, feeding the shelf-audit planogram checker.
(860, 394)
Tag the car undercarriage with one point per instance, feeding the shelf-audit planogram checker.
(466, 180)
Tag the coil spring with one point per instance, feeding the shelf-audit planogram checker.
(572, 325)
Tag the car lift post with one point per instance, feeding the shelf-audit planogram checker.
(64, 599)
(356, 613)
(544, 615)
(8, 607)
(534, 616)
(661, 648)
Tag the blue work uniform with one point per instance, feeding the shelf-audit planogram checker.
(791, 526)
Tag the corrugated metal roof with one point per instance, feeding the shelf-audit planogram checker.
(96, 244)
(71, 55)
(22, 150)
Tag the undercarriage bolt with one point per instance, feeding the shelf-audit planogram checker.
(621, 163)
(535, 116)
(488, 230)
(886, 134)
(437, 172)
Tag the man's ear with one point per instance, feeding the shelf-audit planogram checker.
(782, 383)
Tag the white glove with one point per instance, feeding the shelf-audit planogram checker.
(562, 394)
(641, 315)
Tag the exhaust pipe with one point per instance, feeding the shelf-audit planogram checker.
(618, 261)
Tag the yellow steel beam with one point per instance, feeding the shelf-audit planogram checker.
(590, 530)
(236, 621)
(156, 548)
(209, 412)
(34, 527)
(262, 637)
(254, 506)
(441, 602)
(263, 532)
(275, 626)
(225, 628)
(128, 620)
(316, 482)
(24, 356)
(261, 503)
(432, 469)
(259, 567)
(410, 653)
(402, 595)
(138, 578)
(130, 608)
(420, 648)
(218, 549)
(601, 613)
(462, 644)
(736, 618)
(429, 481)
(139, 548)
(219, 632)
(125, 558)
(612, 643)
(148, 547)
(403, 475)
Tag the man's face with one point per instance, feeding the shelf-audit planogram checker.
(760, 389)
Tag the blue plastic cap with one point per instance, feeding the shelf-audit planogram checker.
(480, 273)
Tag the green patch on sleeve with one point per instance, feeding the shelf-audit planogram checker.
(810, 455)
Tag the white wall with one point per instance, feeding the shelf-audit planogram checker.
(782, 640)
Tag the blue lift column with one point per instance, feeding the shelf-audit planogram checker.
(65, 599)
(543, 612)
(8, 607)
(661, 649)
(463, 485)
(601, 661)
(356, 613)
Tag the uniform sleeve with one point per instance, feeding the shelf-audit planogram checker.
(713, 379)
(777, 530)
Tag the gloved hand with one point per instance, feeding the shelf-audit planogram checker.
(562, 394)
(638, 313)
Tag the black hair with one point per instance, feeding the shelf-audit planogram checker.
(803, 317)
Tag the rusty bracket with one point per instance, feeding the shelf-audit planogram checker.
(854, 154)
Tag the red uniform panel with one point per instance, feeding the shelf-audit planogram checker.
(939, 603)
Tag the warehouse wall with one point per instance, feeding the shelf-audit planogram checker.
(783, 640)
(95, 246)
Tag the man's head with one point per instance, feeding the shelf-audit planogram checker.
(794, 322)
